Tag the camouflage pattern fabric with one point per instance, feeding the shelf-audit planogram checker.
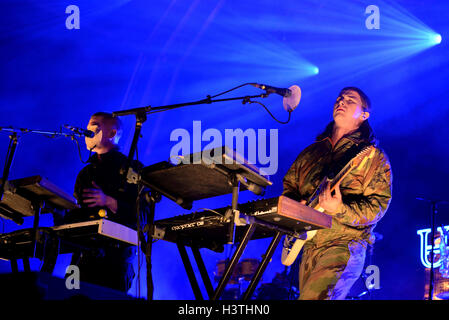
(329, 271)
(366, 195)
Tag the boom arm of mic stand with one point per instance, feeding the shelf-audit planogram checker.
(208, 100)
(141, 117)
(51, 134)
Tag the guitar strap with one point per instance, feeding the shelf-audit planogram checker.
(336, 166)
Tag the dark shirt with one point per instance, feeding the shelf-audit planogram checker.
(104, 170)
(110, 265)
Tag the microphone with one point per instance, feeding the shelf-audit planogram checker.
(269, 89)
(292, 95)
(80, 131)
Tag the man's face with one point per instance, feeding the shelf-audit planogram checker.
(348, 110)
(103, 133)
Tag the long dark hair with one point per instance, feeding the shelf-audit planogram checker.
(367, 133)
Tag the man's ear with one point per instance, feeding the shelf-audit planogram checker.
(365, 115)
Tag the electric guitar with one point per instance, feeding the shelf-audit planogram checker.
(293, 245)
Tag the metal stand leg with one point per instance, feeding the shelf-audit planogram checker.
(233, 263)
(26, 264)
(203, 272)
(262, 266)
(154, 197)
(190, 273)
(235, 198)
(50, 256)
(37, 206)
(215, 295)
(14, 266)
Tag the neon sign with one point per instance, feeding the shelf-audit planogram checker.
(426, 246)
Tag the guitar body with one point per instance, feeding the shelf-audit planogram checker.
(292, 246)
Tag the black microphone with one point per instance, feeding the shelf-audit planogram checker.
(80, 131)
(292, 95)
(269, 89)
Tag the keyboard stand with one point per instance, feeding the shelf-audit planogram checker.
(229, 270)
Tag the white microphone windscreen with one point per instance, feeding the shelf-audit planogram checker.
(291, 102)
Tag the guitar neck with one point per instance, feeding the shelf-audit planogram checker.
(314, 201)
(341, 175)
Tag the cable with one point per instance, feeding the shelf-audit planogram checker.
(281, 122)
(79, 151)
(73, 137)
(222, 93)
(206, 209)
(249, 101)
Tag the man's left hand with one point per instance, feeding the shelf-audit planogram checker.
(331, 203)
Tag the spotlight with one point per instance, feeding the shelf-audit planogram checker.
(316, 70)
(436, 39)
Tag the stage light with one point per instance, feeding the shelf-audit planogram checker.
(436, 39)
(316, 70)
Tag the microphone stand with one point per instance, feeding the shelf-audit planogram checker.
(133, 177)
(14, 139)
(432, 275)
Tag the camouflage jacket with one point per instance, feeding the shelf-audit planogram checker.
(366, 191)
